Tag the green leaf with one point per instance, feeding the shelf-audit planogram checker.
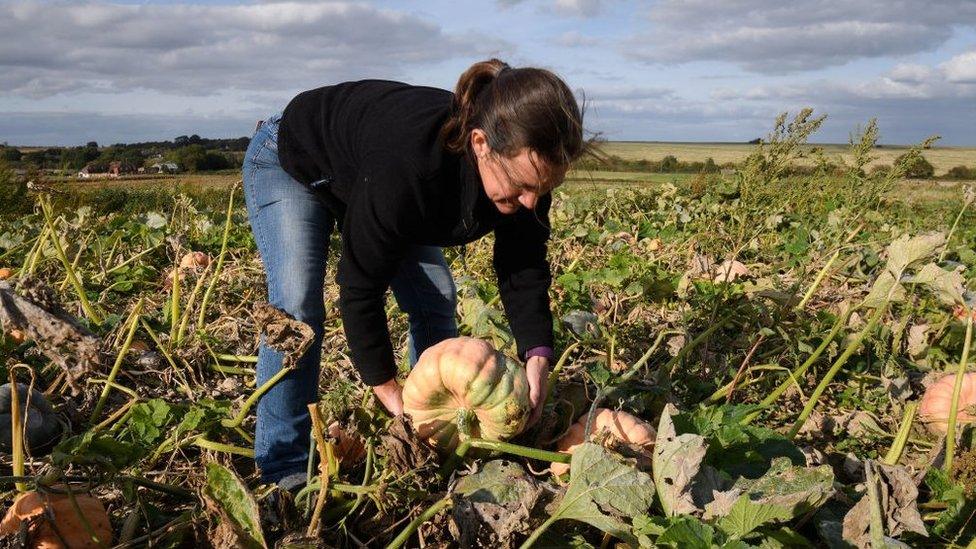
(147, 419)
(946, 285)
(885, 289)
(687, 533)
(745, 516)
(237, 508)
(91, 448)
(677, 460)
(602, 490)
(904, 251)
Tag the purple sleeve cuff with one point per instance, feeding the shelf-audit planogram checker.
(542, 351)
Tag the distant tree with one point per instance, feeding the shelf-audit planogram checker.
(195, 140)
(756, 141)
(669, 164)
(961, 172)
(916, 167)
(181, 141)
(11, 154)
(92, 145)
(710, 166)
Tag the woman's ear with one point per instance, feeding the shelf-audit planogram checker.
(479, 143)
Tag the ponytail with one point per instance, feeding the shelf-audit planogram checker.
(471, 84)
(517, 108)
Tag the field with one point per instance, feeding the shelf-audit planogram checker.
(776, 331)
(942, 158)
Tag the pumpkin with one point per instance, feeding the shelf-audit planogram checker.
(67, 524)
(6, 273)
(194, 259)
(464, 387)
(935, 404)
(44, 427)
(17, 336)
(621, 426)
(349, 446)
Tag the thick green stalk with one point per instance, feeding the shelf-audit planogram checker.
(221, 447)
(538, 532)
(852, 347)
(16, 432)
(901, 438)
(237, 358)
(554, 374)
(876, 525)
(133, 324)
(239, 418)
(174, 305)
(185, 320)
(168, 357)
(956, 392)
(69, 272)
(220, 262)
(955, 224)
(794, 376)
(31, 259)
(437, 507)
(534, 453)
(816, 282)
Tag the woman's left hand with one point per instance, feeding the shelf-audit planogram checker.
(537, 370)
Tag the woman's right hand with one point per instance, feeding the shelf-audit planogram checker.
(390, 395)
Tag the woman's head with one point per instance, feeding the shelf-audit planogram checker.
(522, 126)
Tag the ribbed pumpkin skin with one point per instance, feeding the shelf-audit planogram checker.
(622, 426)
(937, 400)
(466, 377)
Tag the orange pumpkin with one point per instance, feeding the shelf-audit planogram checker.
(934, 408)
(6, 273)
(17, 336)
(349, 446)
(62, 521)
(621, 426)
(194, 259)
(463, 385)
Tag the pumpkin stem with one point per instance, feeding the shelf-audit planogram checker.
(466, 423)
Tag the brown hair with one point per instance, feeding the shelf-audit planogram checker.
(516, 108)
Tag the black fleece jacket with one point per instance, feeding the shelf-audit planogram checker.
(372, 151)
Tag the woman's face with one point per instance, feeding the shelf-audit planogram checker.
(515, 182)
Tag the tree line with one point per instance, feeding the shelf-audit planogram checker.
(191, 153)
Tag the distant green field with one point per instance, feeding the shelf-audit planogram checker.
(942, 158)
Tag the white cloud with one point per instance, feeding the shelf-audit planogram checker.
(961, 68)
(51, 48)
(770, 36)
(580, 8)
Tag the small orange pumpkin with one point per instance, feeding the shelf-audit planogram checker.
(194, 259)
(17, 336)
(349, 447)
(623, 427)
(5, 273)
(464, 384)
(62, 521)
(935, 404)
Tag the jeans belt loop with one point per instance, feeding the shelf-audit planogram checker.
(324, 182)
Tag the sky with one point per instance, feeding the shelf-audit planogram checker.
(664, 70)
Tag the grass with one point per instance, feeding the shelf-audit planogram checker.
(942, 158)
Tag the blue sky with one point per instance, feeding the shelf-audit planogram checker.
(666, 70)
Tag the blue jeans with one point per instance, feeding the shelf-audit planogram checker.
(291, 228)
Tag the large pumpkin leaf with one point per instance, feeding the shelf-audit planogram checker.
(946, 285)
(907, 250)
(240, 524)
(602, 491)
(677, 460)
(495, 505)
